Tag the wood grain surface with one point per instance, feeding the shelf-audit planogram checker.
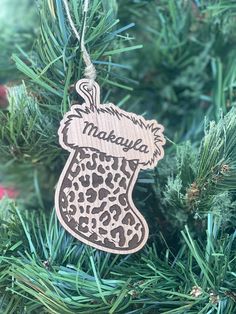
(108, 146)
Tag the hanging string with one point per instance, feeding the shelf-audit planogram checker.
(90, 71)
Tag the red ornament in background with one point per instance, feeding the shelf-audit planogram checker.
(11, 193)
(3, 104)
(3, 96)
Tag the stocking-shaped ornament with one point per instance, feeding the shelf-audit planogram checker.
(108, 146)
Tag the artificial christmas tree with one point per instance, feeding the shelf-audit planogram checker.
(184, 76)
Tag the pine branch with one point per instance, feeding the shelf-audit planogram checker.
(52, 272)
(204, 180)
(189, 68)
(56, 63)
(29, 152)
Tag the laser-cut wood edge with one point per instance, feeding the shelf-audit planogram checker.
(92, 105)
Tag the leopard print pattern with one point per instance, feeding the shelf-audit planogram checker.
(91, 178)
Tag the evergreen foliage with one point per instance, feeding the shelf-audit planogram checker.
(184, 76)
(47, 270)
(17, 32)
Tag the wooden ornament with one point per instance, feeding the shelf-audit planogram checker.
(108, 146)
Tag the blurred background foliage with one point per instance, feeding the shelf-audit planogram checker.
(18, 24)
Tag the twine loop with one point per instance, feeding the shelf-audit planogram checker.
(90, 71)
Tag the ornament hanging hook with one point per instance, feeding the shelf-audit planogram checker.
(91, 96)
(90, 71)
